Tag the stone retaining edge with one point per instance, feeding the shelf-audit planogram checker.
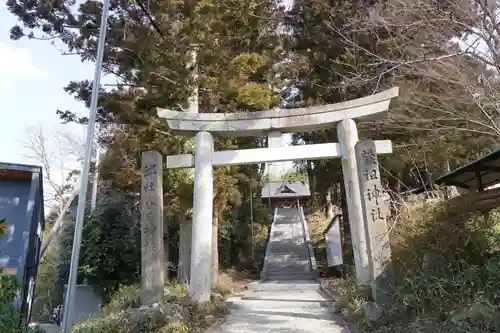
(322, 282)
(263, 273)
(305, 228)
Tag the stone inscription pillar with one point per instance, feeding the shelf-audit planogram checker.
(200, 283)
(375, 212)
(152, 255)
(348, 136)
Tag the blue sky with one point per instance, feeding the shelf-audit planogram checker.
(33, 75)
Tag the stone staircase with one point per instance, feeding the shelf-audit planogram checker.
(289, 298)
(288, 254)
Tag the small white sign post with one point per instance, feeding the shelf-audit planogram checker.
(334, 244)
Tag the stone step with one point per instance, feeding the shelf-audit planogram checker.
(287, 258)
(287, 255)
(279, 299)
(295, 277)
(271, 285)
(289, 272)
(287, 243)
(294, 273)
(295, 243)
(288, 263)
(288, 249)
(291, 251)
(288, 240)
(292, 262)
(292, 295)
(297, 265)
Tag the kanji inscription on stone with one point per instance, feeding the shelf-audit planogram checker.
(152, 255)
(374, 213)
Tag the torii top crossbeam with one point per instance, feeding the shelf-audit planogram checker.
(259, 123)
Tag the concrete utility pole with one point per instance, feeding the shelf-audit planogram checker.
(69, 300)
(95, 179)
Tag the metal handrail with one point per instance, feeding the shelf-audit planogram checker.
(332, 222)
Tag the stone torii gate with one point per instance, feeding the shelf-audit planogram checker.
(271, 123)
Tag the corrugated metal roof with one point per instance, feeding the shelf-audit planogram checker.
(286, 189)
(475, 176)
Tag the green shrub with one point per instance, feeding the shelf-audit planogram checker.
(126, 297)
(47, 293)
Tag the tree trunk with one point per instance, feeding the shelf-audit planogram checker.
(328, 205)
(312, 184)
(215, 249)
(185, 233)
(394, 193)
(166, 251)
(451, 191)
(345, 227)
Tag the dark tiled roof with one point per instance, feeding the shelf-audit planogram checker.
(286, 189)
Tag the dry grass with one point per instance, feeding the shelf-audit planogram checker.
(232, 281)
(178, 315)
(456, 289)
(317, 223)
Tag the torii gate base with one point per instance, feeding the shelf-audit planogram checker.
(261, 123)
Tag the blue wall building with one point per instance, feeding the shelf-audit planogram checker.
(21, 204)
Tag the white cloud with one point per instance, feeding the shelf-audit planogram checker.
(16, 64)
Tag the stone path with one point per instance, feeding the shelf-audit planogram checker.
(290, 300)
(281, 306)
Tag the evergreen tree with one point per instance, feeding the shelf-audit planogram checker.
(147, 51)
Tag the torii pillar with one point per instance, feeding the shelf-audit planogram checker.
(261, 123)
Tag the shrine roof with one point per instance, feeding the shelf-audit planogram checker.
(286, 189)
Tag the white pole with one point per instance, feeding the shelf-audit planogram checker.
(58, 223)
(69, 300)
(95, 179)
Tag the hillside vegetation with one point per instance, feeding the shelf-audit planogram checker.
(448, 275)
